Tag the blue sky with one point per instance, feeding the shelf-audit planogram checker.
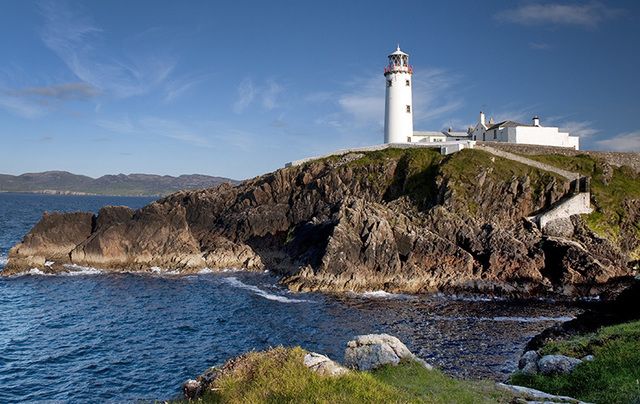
(239, 88)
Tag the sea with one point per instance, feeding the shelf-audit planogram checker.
(87, 336)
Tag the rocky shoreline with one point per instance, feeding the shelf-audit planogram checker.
(365, 353)
(408, 221)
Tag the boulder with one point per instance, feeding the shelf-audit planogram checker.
(528, 363)
(322, 365)
(192, 389)
(368, 352)
(557, 364)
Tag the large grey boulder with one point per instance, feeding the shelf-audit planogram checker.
(322, 365)
(557, 364)
(367, 352)
(528, 363)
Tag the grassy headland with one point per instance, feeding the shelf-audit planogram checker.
(279, 376)
(612, 377)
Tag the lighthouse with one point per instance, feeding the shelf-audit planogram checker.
(398, 112)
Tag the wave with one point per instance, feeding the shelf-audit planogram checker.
(515, 319)
(233, 281)
(3, 260)
(75, 270)
(164, 271)
(381, 294)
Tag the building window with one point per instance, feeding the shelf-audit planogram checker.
(388, 83)
(407, 83)
(409, 108)
(495, 133)
(408, 139)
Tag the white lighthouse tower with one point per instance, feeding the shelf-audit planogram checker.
(398, 113)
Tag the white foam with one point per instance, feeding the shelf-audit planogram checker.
(164, 271)
(3, 260)
(76, 270)
(381, 294)
(515, 319)
(233, 281)
(206, 271)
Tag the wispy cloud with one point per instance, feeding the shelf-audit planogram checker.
(265, 94)
(512, 113)
(76, 39)
(625, 142)
(177, 87)
(154, 126)
(584, 129)
(586, 15)
(22, 107)
(539, 46)
(270, 94)
(246, 94)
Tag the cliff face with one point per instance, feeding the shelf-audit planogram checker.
(399, 220)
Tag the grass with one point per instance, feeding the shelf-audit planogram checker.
(279, 376)
(608, 195)
(464, 167)
(612, 377)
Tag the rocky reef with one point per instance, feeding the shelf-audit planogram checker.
(406, 220)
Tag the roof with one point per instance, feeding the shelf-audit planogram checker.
(455, 134)
(506, 124)
(427, 133)
(399, 52)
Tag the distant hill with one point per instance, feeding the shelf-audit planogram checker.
(62, 182)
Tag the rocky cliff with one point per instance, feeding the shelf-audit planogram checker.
(400, 220)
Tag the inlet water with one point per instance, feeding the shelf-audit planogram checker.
(85, 336)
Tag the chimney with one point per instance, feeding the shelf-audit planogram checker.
(536, 121)
(482, 117)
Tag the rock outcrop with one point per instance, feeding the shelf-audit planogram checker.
(368, 352)
(322, 365)
(398, 220)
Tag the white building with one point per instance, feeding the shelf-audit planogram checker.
(438, 137)
(514, 132)
(398, 112)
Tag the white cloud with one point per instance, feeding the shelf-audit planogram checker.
(587, 15)
(21, 107)
(512, 113)
(177, 87)
(248, 92)
(583, 129)
(76, 40)
(625, 142)
(270, 94)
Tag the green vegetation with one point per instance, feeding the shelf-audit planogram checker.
(279, 376)
(612, 377)
(465, 167)
(609, 189)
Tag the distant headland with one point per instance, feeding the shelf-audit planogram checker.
(66, 183)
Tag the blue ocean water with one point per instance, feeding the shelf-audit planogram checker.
(91, 337)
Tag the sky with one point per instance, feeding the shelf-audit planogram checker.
(239, 88)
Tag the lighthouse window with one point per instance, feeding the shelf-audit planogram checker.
(407, 82)
(408, 108)
(388, 83)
